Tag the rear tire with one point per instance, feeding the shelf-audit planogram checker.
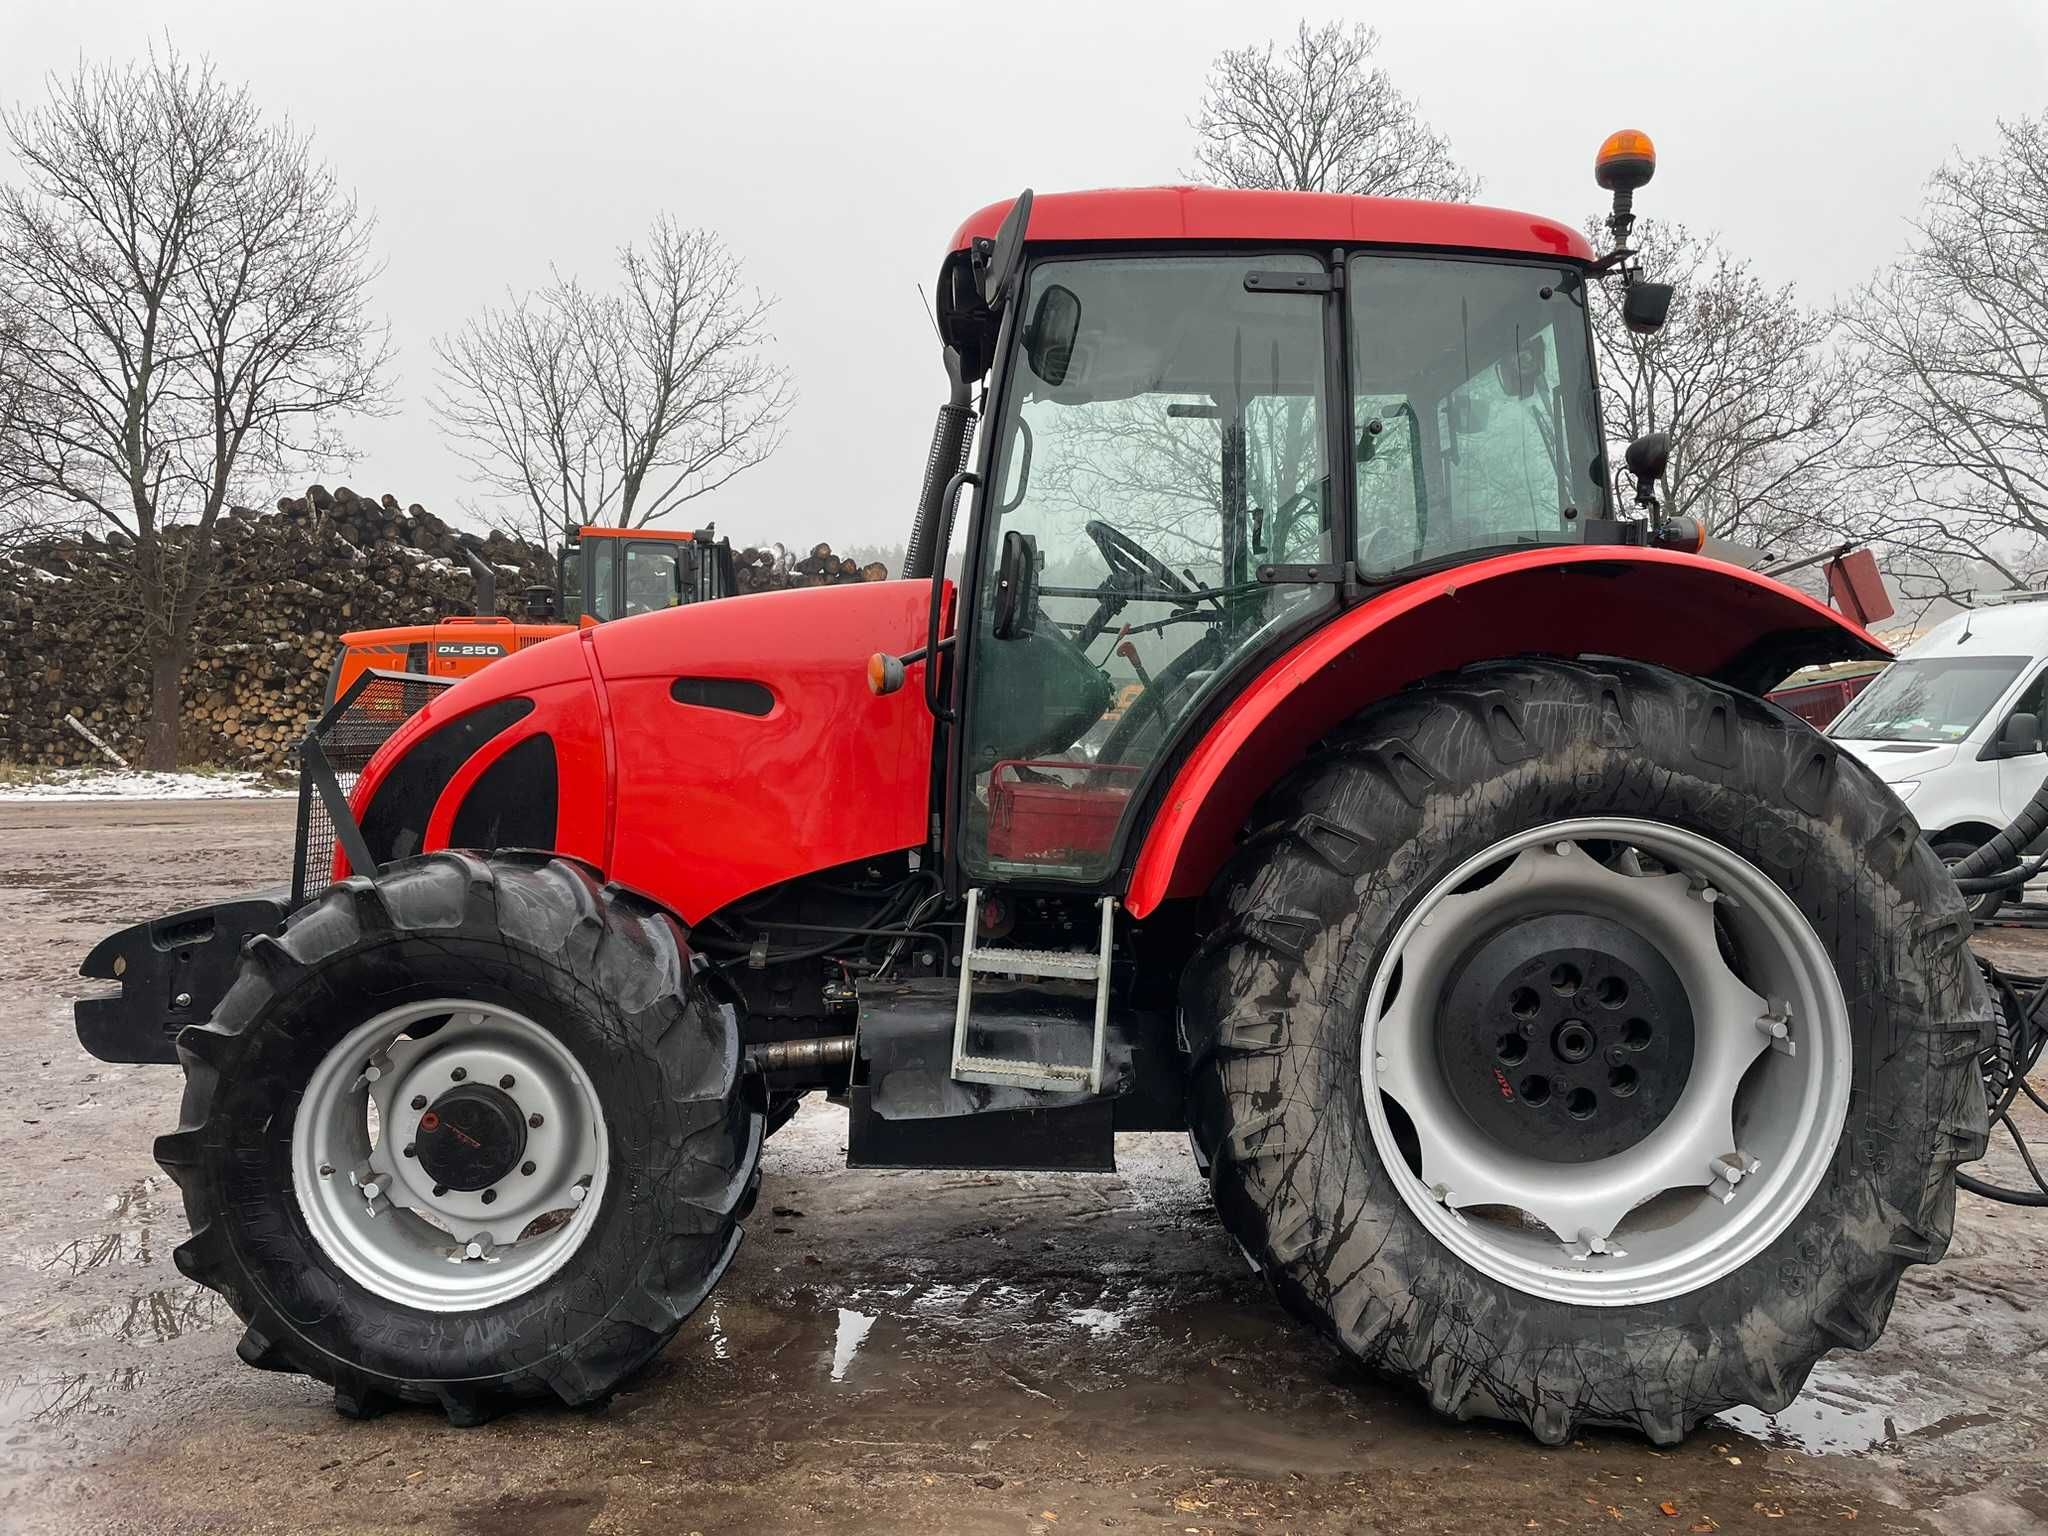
(1342, 852)
(596, 987)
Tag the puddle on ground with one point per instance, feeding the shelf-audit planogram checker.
(139, 1211)
(1839, 1415)
(1083, 1335)
(853, 1327)
(152, 1317)
(52, 1396)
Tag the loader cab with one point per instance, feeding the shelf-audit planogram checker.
(1190, 457)
(615, 573)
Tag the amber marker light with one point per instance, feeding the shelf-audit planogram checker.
(1626, 161)
(885, 673)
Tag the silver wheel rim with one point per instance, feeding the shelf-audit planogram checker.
(1735, 1159)
(379, 1215)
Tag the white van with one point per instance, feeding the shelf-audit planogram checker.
(1955, 724)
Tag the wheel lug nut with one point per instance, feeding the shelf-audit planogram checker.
(534, 1120)
(409, 1152)
(490, 1196)
(527, 1169)
(440, 1189)
(419, 1101)
(459, 1073)
(505, 1081)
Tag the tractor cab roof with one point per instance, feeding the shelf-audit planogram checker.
(1134, 215)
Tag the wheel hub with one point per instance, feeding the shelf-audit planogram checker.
(449, 1154)
(473, 1136)
(1566, 1036)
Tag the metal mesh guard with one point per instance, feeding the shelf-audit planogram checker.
(366, 716)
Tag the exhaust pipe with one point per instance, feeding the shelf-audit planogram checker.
(952, 449)
(486, 601)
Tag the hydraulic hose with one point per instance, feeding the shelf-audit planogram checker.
(952, 439)
(2001, 855)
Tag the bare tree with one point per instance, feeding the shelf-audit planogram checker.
(1321, 117)
(1748, 382)
(1951, 342)
(617, 406)
(190, 289)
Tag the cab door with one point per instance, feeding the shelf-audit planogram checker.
(1163, 442)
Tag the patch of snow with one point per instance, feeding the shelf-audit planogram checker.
(73, 784)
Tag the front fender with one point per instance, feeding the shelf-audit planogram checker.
(1685, 612)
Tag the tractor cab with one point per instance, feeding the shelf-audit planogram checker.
(1199, 454)
(614, 573)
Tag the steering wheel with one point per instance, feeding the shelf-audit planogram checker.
(1129, 559)
(1132, 569)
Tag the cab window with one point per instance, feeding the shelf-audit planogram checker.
(654, 578)
(1478, 425)
(1164, 434)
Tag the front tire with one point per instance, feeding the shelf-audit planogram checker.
(1684, 1290)
(468, 1133)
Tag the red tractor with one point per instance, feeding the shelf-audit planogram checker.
(1312, 755)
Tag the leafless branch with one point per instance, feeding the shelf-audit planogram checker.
(189, 289)
(1951, 345)
(1321, 117)
(1750, 385)
(576, 406)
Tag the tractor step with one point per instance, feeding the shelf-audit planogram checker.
(1039, 1069)
(1075, 964)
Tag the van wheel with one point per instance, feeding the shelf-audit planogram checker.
(1985, 904)
(1524, 1039)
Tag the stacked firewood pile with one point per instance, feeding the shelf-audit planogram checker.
(290, 584)
(767, 570)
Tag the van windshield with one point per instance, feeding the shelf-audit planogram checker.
(1928, 700)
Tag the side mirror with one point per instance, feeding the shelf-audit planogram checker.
(1049, 339)
(2020, 736)
(1016, 599)
(1644, 307)
(996, 261)
(1646, 458)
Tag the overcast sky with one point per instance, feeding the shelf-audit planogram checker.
(837, 146)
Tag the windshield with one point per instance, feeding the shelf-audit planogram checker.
(1930, 700)
(1477, 420)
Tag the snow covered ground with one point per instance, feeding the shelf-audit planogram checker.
(134, 784)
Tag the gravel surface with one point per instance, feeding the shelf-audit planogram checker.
(890, 1352)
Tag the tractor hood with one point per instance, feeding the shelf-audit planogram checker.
(696, 754)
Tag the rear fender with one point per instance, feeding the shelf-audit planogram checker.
(1685, 612)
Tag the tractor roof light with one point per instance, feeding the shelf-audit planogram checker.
(1627, 160)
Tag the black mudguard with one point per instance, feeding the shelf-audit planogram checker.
(172, 971)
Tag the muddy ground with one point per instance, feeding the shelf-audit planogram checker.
(890, 1352)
